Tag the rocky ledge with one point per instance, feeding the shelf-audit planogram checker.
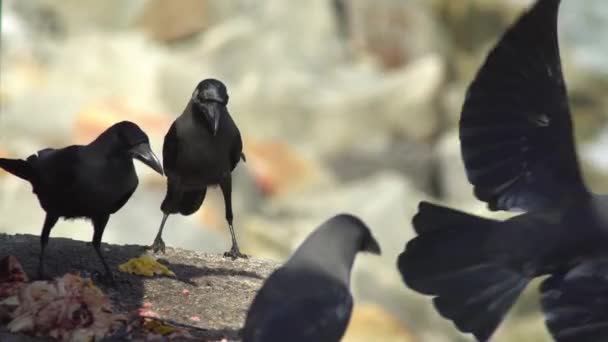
(210, 293)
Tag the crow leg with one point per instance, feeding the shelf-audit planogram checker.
(159, 244)
(49, 221)
(226, 186)
(99, 225)
(170, 205)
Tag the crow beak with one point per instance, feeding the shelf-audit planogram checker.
(144, 154)
(214, 113)
(216, 124)
(371, 246)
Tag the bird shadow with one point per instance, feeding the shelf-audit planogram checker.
(187, 273)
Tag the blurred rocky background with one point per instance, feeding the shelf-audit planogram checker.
(345, 105)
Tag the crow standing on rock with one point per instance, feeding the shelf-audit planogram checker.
(308, 298)
(201, 149)
(518, 150)
(86, 181)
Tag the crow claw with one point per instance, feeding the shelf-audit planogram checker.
(158, 245)
(234, 254)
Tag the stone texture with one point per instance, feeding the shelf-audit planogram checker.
(219, 289)
(168, 20)
(392, 32)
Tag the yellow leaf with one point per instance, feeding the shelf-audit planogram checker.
(159, 328)
(146, 266)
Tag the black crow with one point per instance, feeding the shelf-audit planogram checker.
(308, 298)
(518, 150)
(201, 149)
(86, 181)
(576, 303)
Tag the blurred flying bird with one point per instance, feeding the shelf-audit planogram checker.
(518, 150)
(201, 149)
(86, 181)
(575, 302)
(308, 298)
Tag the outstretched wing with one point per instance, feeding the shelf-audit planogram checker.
(515, 129)
(576, 303)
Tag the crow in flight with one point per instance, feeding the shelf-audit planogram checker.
(518, 150)
(576, 302)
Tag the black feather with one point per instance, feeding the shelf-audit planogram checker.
(515, 128)
(448, 260)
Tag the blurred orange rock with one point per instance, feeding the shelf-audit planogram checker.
(278, 168)
(169, 20)
(96, 117)
(392, 32)
(368, 321)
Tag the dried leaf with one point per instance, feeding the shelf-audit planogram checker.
(153, 328)
(11, 270)
(158, 327)
(69, 308)
(12, 276)
(146, 266)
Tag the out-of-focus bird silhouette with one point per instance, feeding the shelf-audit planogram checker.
(575, 302)
(308, 298)
(518, 150)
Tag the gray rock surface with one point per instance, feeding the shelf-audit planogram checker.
(219, 289)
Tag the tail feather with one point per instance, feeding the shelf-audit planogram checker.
(447, 260)
(575, 303)
(17, 167)
(191, 201)
(481, 309)
(432, 217)
(183, 202)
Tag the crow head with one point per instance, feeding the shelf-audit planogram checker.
(128, 137)
(332, 247)
(210, 99)
(360, 232)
